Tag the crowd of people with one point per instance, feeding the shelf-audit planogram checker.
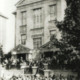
(53, 63)
(12, 63)
(39, 77)
(17, 63)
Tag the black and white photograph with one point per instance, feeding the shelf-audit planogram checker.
(39, 39)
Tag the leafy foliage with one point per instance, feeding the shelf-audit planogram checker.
(69, 54)
(70, 27)
(1, 52)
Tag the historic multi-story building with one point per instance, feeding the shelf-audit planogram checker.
(36, 21)
(3, 20)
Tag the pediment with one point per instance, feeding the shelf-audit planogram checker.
(23, 2)
(19, 2)
(20, 48)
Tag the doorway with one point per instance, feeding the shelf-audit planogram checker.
(23, 55)
(48, 54)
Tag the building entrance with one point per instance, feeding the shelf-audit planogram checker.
(21, 55)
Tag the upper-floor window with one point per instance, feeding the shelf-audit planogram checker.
(23, 15)
(23, 29)
(37, 42)
(52, 32)
(23, 39)
(37, 17)
(53, 12)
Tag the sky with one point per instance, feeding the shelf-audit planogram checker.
(7, 7)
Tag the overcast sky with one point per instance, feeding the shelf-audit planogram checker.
(6, 8)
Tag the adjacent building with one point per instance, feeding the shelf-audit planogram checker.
(3, 20)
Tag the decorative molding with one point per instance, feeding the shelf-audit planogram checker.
(37, 31)
(19, 2)
(21, 49)
(26, 2)
(31, 2)
(23, 29)
(37, 36)
(37, 28)
(1, 15)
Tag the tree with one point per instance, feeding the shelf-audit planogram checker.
(70, 29)
(64, 56)
(1, 53)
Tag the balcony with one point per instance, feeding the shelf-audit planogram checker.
(23, 29)
(37, 31)
(52, 25)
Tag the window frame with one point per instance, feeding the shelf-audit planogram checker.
(23, 41)
(37, 17)
(52, 31)
(38, 42)
(23, 29)
(24, 19)
(53, 13)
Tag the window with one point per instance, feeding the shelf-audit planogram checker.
(37, 17)
(23, 29)
(37, 42)
(23, 14)
(23, 39)
(53, 12)
(52, 32)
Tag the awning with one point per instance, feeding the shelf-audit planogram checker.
(20, 49)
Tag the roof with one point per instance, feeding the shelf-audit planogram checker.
(20, 1)
(14, 12)
(25, 2)
(21, 49)
(49, 46)
(3, 16)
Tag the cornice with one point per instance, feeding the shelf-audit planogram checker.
(26, 4)
(20, 4)
(3, 16)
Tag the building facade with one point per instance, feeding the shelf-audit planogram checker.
(36, 21)
(3, 20)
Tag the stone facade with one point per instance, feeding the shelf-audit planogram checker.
(44, 29)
